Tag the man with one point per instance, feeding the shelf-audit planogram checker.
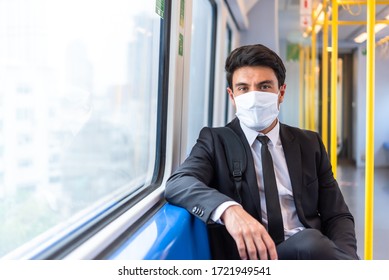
(315, 220)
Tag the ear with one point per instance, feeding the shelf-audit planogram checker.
(231, 95)
(282, 93)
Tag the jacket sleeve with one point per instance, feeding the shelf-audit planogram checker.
(190, 185)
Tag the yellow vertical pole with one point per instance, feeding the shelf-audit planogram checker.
(369, 165)
(301, 96)
(312, 92)
(307, 83)
(334, 80)
(324, 112)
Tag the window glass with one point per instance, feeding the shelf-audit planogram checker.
(200, 65)
(78, 103)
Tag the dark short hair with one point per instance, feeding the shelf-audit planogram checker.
(254, 55)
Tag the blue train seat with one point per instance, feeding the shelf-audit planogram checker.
(171, 234)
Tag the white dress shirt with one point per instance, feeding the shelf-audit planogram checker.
(291, 222)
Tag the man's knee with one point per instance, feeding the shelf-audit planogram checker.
(314, 245)
(310, 244)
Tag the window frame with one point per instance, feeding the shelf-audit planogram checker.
(212, 63)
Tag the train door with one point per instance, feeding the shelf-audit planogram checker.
(345, 108)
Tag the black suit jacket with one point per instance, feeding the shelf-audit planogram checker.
(203, 182)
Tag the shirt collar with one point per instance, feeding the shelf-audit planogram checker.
(251, 135)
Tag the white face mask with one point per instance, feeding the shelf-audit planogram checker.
(257, 109)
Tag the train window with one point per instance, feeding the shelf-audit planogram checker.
(78, 110)
(201, 69)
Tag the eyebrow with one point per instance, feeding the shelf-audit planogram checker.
(241, 84)
(265, 82)
(257, 84)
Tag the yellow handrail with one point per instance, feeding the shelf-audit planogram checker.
(369, 165)
(312, 91)
(362, 2)
(343, 22)
(301, 88)
(334, 79)
(324, 113)
(307, 83)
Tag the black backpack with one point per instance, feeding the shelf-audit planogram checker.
(236, 155)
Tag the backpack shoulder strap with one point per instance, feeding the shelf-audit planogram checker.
(236, 155)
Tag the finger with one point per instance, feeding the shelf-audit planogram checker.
(270, 247)
(251, 248)
(241, 246)
(261, 248)
(265, 246)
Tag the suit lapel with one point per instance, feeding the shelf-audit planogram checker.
(292, 153)
(250, 177)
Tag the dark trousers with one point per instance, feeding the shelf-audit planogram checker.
(311, 244)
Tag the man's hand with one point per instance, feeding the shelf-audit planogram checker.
(251, 237)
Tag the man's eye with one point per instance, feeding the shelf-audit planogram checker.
(242, 89)
(265, 87)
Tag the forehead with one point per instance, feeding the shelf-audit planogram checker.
(253, 74)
